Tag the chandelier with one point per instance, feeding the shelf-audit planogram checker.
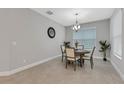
(76, 26)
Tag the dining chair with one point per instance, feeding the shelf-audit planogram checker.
(80, 47)
(62, 51)
(71, 57)
(90, 57)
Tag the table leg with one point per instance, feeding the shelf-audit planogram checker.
(81, 60)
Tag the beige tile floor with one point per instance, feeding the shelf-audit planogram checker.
(54, 72)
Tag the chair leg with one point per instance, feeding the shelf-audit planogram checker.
(75, 66)
(62, 58)
(83, 62)
(66, 64)
(91, 62)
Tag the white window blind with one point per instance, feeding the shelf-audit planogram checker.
(117, 34)
(86, 37)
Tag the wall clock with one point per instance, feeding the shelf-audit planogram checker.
(51, 32)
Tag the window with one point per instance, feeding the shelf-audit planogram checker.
(117, 34)
(86, 37)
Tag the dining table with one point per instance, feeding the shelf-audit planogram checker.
(81, 53)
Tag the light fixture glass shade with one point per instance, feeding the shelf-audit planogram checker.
(76, 26)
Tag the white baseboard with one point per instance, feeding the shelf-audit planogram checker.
(109, 59)
(98, 57)
(102, 58)
(118, 71)
(7, 73)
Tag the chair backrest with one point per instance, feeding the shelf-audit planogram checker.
(70, 52)
(80, 47)
(92, 51)
(62, 48)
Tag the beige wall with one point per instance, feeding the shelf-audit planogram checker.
(24, 39)
(102, 33)
(4, 41)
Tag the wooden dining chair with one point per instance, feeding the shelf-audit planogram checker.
(62, 51)
(90, 57)
(71, 57)
(80, 47)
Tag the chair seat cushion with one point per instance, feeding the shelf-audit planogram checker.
(72, 59)
(86, 57)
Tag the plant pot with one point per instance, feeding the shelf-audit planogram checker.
(104, 59)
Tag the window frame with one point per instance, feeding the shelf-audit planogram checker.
(87, 28)
(116, 35)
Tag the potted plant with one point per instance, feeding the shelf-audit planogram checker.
(104, 47)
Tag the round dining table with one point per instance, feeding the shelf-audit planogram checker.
(81, 53)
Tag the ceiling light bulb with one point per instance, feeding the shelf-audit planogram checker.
(76, 27)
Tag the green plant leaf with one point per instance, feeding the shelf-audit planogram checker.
(104, 46)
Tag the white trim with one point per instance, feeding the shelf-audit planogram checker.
(102, 58)
(109, 59)
(7, 73)
(98, 57)
(118, 71)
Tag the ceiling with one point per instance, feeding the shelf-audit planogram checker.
(66, 16)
